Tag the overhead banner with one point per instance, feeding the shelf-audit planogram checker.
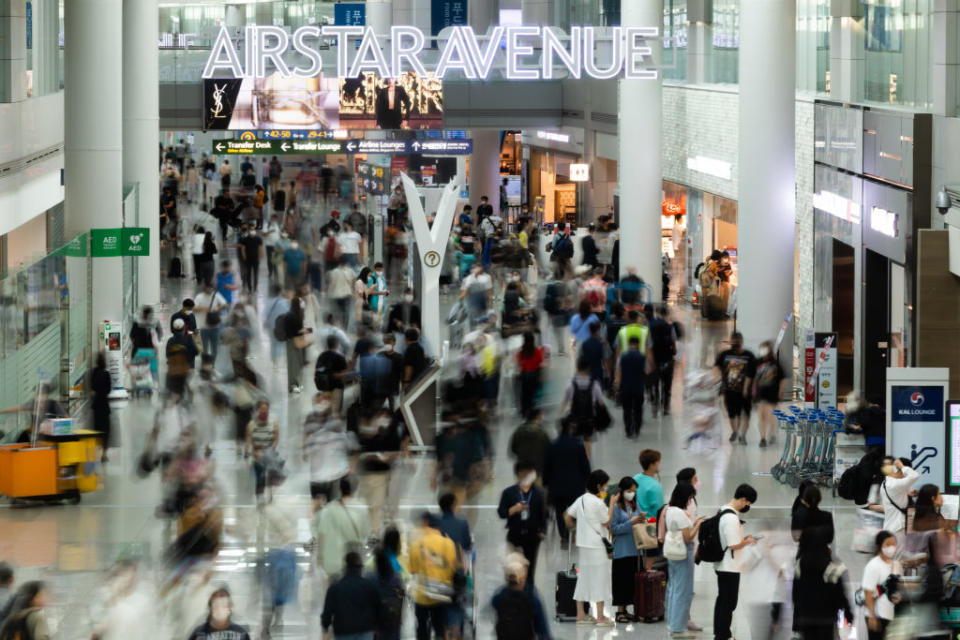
(915, 420)
(326, 147)
(350, 14)
(447, 13)
(372, 178)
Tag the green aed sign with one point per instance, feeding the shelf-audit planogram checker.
(115, 243)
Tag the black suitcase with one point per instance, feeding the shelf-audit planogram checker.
(279, 200)
(176, 268)
(566, 584)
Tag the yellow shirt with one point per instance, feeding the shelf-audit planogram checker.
(433, 563)
(522, 236)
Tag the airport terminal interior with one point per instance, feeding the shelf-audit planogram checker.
(487, 319)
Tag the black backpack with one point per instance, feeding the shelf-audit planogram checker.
(846, 489)
(551, 299)
(710, 548)
(515, 616)
(582, 407)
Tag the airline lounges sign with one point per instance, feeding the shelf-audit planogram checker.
(463, 50)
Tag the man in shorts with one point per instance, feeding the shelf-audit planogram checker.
(737, 366)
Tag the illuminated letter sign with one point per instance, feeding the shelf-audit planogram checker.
(584, 52)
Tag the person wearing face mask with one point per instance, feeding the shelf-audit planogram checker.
(340, 291)
(591, 517)
(879, 606)
(768, 388)
(895, 493)
(680, 586)
(263, 434)
(522, 506)
(624, 513)
(219, 625)
(732, 541)
(404, 315)
(295, 265)
(377, 292)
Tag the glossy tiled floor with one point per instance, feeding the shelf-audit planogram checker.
(74, 546)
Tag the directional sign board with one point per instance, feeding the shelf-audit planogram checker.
(372, 179)
(311, 147)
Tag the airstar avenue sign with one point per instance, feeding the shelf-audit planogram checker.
(625, 54)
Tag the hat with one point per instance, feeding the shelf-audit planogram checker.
(335, 213)
(178, 324)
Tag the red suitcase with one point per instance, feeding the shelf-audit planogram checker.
(650, 596)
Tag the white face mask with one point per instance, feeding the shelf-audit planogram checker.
(408, 298)
(303, 305)
(379, 273)
(764, 352)
(889, 551)
(388, 348)
(528, 479)
(220, 611)
(323, 406)
(629, 495)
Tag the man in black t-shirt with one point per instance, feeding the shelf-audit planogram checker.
(383, 438)
(330, 370)
(251, 249)
(414, 358)
(738, 367)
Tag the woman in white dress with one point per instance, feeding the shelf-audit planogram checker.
(591, 517)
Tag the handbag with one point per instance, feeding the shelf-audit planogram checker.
(645, 535)
(673, 546)
(213, 317)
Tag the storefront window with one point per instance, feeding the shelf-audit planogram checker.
(898, 43)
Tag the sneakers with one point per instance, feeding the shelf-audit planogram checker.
(733, 437)
(693, 626)
(743, 440)
(763, 443)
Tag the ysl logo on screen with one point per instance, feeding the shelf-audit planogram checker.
(217, 110)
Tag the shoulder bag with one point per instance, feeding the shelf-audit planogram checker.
(607, 545)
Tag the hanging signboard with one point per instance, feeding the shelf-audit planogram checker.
(952, 481)
(915, 419)
(325, 147)
(119, 242)
(350, 14)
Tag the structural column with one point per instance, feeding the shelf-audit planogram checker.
(765, 218)
(846, 51)
(234, 16)
(13, 50)
(640, 175)
(380, 15)
(263, 13)
(946, 69)
(93, 147)
(485, 169)
(699, 40)
(46, 47)
(415, 13)
(141, 127)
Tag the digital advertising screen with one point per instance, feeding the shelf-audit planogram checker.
(952, 481)
(323, 103)
(274, 102)
(408, 102)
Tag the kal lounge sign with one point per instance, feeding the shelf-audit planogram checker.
(263, 49)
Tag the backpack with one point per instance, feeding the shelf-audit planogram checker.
(855, 482)
(563, 247)
(710, 548)
(846, 489)
(514, 616)
(551, 299)
(280, 328)
(582, 407)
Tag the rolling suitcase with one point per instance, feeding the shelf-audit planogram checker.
(176, 268)
(650, 595)
(566, 609)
